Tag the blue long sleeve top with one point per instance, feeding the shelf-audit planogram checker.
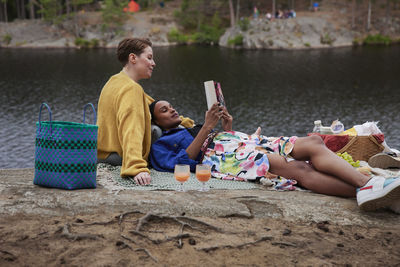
(170, 149)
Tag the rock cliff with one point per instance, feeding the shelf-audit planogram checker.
(296, 33)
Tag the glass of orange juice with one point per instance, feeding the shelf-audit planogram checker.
(203, 174)
(182, 174)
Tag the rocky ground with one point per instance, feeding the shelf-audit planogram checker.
(96, 227)
(322, 29)
(303, 32)
(328, 28)
(154, 24)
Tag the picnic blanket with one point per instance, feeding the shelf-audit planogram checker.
(109, 177)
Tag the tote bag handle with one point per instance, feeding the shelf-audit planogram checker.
(40, 115)
(94, 112)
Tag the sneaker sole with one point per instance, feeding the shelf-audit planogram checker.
(383, 161)
(381, 202)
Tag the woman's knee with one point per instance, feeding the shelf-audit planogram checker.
(307, 146)
(314, 144)
(315, 139)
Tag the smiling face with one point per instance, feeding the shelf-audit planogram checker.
(144, 63)
(166, 116)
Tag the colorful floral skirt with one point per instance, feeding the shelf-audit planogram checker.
(238, 156)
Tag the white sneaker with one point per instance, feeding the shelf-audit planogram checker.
(384, 160)
(378, 193)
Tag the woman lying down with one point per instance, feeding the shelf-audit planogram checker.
(252, 156)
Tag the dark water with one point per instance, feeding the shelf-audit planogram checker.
(281, 91)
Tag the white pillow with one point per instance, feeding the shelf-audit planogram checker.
(156, 133)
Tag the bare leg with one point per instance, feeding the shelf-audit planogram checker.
(324, 160)
(310, 178)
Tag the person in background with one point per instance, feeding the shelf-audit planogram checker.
(292, 14)
(315, 6)
(251, 156)
(256, 13)
(124, 119)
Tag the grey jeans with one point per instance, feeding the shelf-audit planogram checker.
(113, 159)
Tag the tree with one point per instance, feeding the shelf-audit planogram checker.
(237, 10)
(20, 6)
(273, 8)
(113, 14)
(192, 14)
(387, 16)
(353, 14)
(68, 6)
(5, 10)
(232, 13)
(234, 17)
(369, 15)
(48, 9)
(31, 9)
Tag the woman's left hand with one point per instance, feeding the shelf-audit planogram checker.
(227, 120)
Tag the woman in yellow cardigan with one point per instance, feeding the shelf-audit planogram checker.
(124, 118)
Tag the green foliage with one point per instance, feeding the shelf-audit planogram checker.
(20, 43)
(236, 41)
(113, 14)
(185, 5)
(327, 39)
(94, 43)
(203, 29)
(7, 38)
(307, 44)
(189, 16)
(53, 10)
(50, 9)
(83, 43)
(377, 39)
(80, 2)
(356, 42)
(244, 24)
(175, 36)
(207, 35)
(143, 3)
(216, 21)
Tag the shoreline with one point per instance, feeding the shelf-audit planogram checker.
(45, 47)
(302, 33)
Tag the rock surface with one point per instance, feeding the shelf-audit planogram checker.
(296, 33)
(19, 195)
(38, 33)
(97, 227)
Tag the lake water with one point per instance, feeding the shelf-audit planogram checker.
(281, 91)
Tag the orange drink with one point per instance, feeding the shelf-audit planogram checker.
(203, 175)
(182, 176)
